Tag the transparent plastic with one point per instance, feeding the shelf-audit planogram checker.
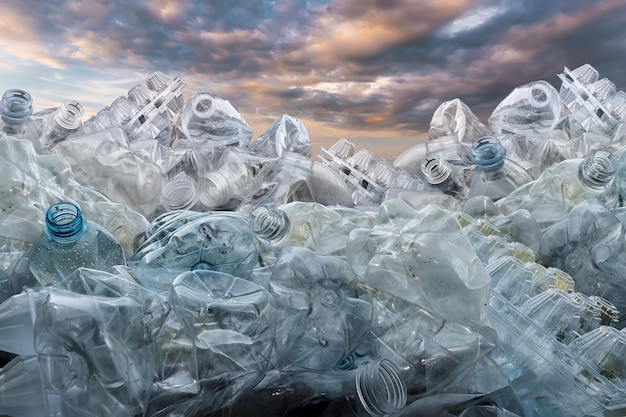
(287, 134)
(70, 242)
(588, 99)
(97, 343)
(16, 108)
(494, 175)
(373, 389)
(310, 225)
(206, 119)
(322, 319)
(216, 343)
(104, 161)
(56, 124)
(218, 241)
(560, 188)
(455, 118)
(533, 109)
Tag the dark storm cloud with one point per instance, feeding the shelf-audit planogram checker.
(344, 65)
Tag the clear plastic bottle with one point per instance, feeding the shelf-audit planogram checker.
(70, 241)
(494, 175)
(445, 177)
(218, 241)
(305, 224)
(16, 108)
(206, 119)
(553, 195)
(56, 124)
(373, 389)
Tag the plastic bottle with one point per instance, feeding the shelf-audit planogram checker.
(70, 241)
(56, 124)
(373, 389)
(309, 225)
(287, 134)
(553, 195)
(218, 241)
(16, 108)
(206, 119)
(494, 175)
(445, 177)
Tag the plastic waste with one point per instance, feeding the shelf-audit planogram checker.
(455, 118)
(287, 134)
(533, 109)
(216, 346)
(375, 388)
(69, 242)
(217, 241)
(560, 188)
(104, 161)
(322, 319)
(56, 124)
(310, 225)
(97, 343)
(206, 119)
(494, 176)
(16, 108)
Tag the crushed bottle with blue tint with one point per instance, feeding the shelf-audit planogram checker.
(69, 242)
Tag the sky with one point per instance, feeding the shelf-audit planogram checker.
(370, 71)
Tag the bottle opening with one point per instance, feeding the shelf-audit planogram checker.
(203, 105)
(597, 170)
(214, 190)
(16, 105)
(488, 153)
(270, 225)
(380, 387)
(64, 222)
(539, 96)
(435, 170)
(179, 193)
(70, 115)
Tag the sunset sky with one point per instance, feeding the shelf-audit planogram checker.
(371, 71)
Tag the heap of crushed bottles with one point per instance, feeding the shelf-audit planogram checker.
(156, 261)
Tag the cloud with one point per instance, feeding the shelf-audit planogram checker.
(362, 69)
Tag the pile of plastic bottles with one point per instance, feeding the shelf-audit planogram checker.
(156, 261)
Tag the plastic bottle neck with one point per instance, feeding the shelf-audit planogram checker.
(488, 154)
(203, 105)
(597, 170)
(179, 193)
(270, 225)
(214, 189)
(64, 222)
(436, 170)
(70, 115)
(16, 106)
(380, 387)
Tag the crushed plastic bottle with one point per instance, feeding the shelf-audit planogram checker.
(442, 284)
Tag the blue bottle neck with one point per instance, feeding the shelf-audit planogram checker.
(488, 154)
(64, 222)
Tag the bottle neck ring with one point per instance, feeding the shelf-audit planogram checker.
(597, 170)
(380, 387)
(270, 225)
(70, 115)
(64, 222)
(15, 106)
(435, 170)
(488, 153)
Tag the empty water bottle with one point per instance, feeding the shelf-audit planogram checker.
(16, 108)
(206, 119)
(495, 176)
(56, 124)
(69, 242)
